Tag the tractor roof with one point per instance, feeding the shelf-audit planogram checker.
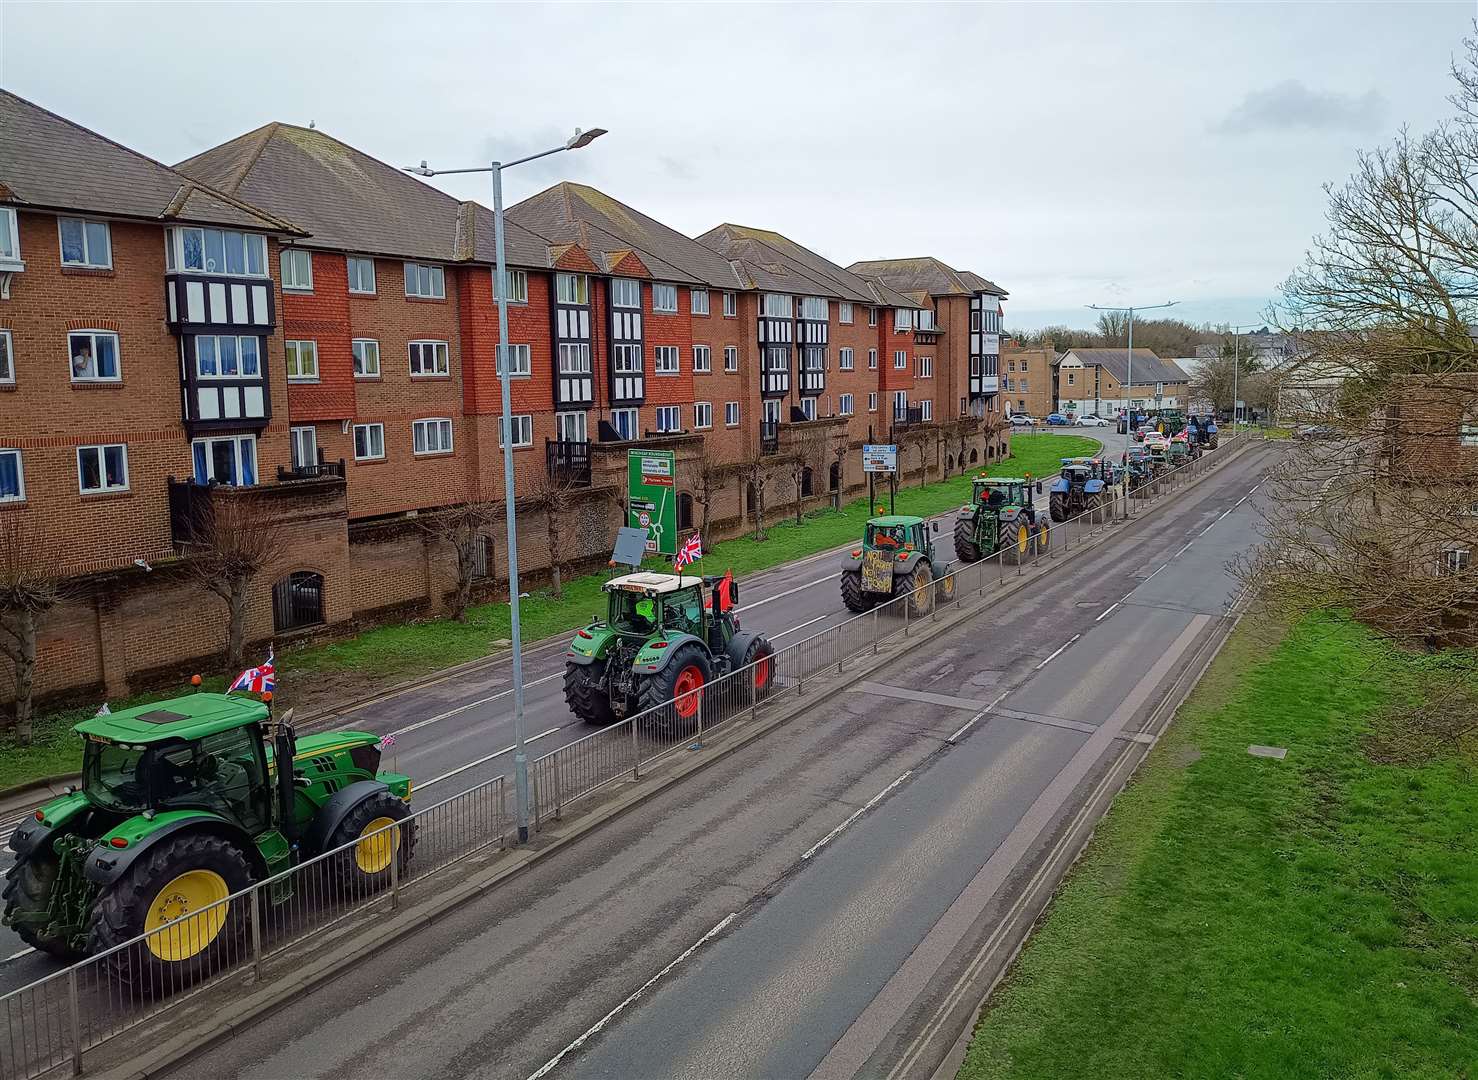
(647, 581)
(890, 520)
(193, 716)
(1081, 460)
(1001, 480)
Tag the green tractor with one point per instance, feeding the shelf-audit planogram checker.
(182, 806)
(1000, 517)
(1170, 422)
(661, 641)
(898, 557)
(1138, 468)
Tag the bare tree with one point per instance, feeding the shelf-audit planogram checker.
(232, 543)
(462, 527)
(756, 473)
(706, 474)
(559, 493)
(808, 444)
(31, 584)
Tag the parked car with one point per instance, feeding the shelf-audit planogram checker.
(1023, 420)
(1056, 418)
(1316, 431)
(1092, 421)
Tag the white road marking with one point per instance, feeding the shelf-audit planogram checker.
(1239, 502)
(470, 705)
(483, 760)
(17, 955)
(1058, 653)
(787, 592)
(864, 808)
(1182, 551)
(1162, 566)
(968, 724)
(1108, 611)
(549, 1065)
(802, 626)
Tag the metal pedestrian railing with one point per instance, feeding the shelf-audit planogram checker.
(256, 933)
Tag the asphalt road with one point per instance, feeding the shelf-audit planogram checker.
(806, 907)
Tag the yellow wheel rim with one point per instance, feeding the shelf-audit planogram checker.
(1023, 539)
(1042, 538)
(194, 898)
(373, 854)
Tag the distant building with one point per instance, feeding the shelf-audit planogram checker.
(1028, 378)
(1096, 382)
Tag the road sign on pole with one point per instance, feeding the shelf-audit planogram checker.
(651, 498)
(879, 457)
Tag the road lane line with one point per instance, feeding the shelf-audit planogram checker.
(595, 1029)
(1182, 551)
(470, 705)
(802, 626)
(1056, 654)
(483, 760)
(864, 808)
(968, 724)
(1162, 566)
(17, 955)
(1108, 610)
(787, 592)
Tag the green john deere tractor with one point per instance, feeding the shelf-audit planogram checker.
(182, 806)
(661, 641)
(1170, 422)
(1000, 517)
(898, 557)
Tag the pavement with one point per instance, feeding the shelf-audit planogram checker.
(813, 906)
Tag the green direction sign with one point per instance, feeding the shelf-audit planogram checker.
(651, 498)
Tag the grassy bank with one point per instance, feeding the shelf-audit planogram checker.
(1239, 916)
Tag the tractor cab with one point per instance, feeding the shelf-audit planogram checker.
(646, 605)
(1171, 422)
(896, 533)
(999, 492)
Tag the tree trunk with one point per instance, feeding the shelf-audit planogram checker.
(462, 597)
(799, 496)
(759, 512)
(25, 674)
(236, 625)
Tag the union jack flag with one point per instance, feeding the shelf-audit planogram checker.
(257, 680)
(690, 552)
(387, 742)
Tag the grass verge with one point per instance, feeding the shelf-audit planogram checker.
(1240, 916)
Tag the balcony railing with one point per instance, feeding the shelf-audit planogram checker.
(769, 437)
(323, 470)
(568, 461)
(189, 504)
(909, 417)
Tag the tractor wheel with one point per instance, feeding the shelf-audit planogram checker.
(1093, 510)
(966, 549)
(674, 695)
(944, 589)
(365, 867)
(28, 885)
(759, 659)
(583, 694)
(188, 878)
(1057, 506)
(1017, 543)
(919, 586)
(1044, 536)
(852, 594)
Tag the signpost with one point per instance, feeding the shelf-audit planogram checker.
(880, 458)
(651, 500)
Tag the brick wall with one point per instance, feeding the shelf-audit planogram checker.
(1035, 366)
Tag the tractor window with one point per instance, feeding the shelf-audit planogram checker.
(886, 536)
(221, 773)
(633, 613)
(683, 612)
(112, 778)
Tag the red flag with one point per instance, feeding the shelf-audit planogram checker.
(726, 592)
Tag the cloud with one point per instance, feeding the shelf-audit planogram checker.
(1292, 106)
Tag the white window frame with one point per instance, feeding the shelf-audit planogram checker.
(293, 348)
(872, 316)
(361, 349)
(1467, 432)
(300, 438)
(926, 409)
(702, 359)
(626, 359)
(846, 405)
(361, 260)
(520, 361)
(117, 376)
(516, 285)
(240, 372)
(771, 414)
(731, 357)
(442, 427)
(808, 406)
(698, 301)
(436, 280)
(731, 305)
(522, 425)
(297, 258)
(441, 358)
(900, 402)
(872, 359)
(369, 442)
(872, 401)
(731, 414)
(88, 261)
(574, 357)
(783, 306)
(671, 413)
(1070, 377)
(923, 367)
(702, 415)
(626, 293)
(902, 320)
(571, 426)
(572, 288)
(815, 308)
(900, 359)
(100, 449)
(236, 442)
(844, 312)
(661, 293)
(174, 251)
(1456, 560)
(11, 259)
(20, 475)
(666, 360)
(633, 419)
(7, 358)
(846, 360)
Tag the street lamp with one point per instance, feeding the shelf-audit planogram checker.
(1237, 366)
(576, 141)
(1129, 384)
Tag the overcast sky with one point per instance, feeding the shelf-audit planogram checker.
(1073, 153)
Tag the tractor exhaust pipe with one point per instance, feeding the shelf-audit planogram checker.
(285, 745)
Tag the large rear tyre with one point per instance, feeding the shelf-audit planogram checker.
(365, 867)
(584, 696)
(673, 698)
(28, 885)
(920, 588)
(1017, 543)
(187, 878)
(1094, 510)
(852, 594)
(1043, 536)
(758, 668)
(966, 549)
(1057, 506)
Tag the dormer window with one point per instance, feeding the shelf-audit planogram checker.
(777, 306)
(215, 251)
(814, 307)
(900, 319)
(297, 270)
(625, 293)
(572, 288)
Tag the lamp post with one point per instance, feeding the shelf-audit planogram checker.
(1129, 384)
(576, 141)
(1237, 365)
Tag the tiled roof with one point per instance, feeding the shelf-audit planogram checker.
(350, 201)
(48, 162)
(926, 274)
(1148, 368)
(578, 214)
(777, 263)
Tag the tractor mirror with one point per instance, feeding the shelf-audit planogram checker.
(1039, 487)
(287, 718)
(934, 526)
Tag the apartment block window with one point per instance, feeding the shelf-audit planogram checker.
(731, 357)
(698, 300)
(901, 319)
(627, 359)
(574, 359)
(1159, 389)
(844, 360)
(215, 251)
(1468, 432)
(731, 305)
(12, 477)
(664, 298)
(85, 243)
(10, 244)
(624, 421)
(778, 306)
(520, 361)
(703, 414)
(222, 357)
(570, 427)
(572, 288)
(772, 411)
(369, 442)
(924, 319)
(1454, 560)
(900, 360)
(1010, 365)
(844, 405)
(361, 275)
(872, 401)
(731, 414)
(1070, 378)
(926, 409)
(430, 358)
(664, 359)
(844, 312)
(302, 360)
(1021, 386)
(102, 468)
(872, 359)
(669, 418)
(816, 308)
(974, 320)
(925, 366)
(297, 270)
(435, 436)
(425, 282)
(231, 460)
(516, 286)
(7, 364)
(1023, 363)
(808, 407)
(625, 292)
(872, 316)
(366, 358)
(94, 356)
(522, 427)
(702, 358)
(304, 446)
(1010, 383)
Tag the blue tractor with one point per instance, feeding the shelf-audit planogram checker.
(1203, 430)
(1081, 487)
